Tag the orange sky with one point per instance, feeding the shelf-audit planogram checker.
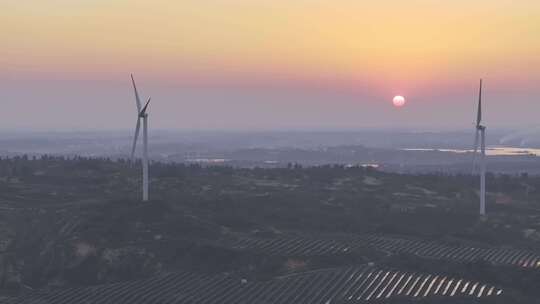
(373, 48)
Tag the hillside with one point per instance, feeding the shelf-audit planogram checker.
(77, 223)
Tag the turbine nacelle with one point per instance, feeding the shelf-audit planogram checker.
(142, 113)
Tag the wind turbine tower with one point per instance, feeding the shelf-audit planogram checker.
(481, 135)
(141, 114)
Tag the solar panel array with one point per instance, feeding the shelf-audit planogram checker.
(354, 285)
(459, 253)
(296, 246)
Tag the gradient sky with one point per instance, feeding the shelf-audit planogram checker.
(268, 64)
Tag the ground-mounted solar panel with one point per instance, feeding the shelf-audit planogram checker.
(459, 253)
(305, 246)
(361, 284)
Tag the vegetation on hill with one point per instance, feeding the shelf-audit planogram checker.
(78, 221)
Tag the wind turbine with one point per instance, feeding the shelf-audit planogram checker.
(480, 135)
(141, 114)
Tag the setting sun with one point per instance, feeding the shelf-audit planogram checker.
(398, 101)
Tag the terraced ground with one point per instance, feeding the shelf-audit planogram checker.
(350, 285)
(296, 246)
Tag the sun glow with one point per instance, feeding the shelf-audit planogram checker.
(398, 101)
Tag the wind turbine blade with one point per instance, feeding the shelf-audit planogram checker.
(479, 113)
(138, 100)
(138, 126)
(475, 150)
(143, 111)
